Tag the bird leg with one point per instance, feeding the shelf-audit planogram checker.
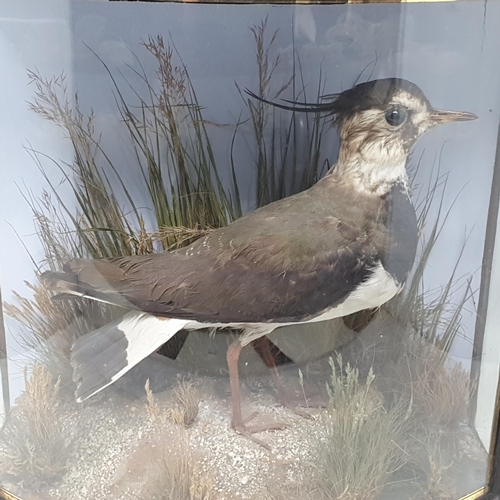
(233, 355)
(263, 346)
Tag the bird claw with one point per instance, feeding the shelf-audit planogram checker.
(249, 430)
(249, 418)
(295, 409)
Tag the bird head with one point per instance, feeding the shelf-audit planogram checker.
(379, 122)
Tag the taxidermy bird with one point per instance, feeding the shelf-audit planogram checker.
(344, 245)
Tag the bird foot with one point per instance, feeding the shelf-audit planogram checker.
(249, 430)
(294, 409)
(297, 402)
(293, 406)
(250, 417)
(318, 403)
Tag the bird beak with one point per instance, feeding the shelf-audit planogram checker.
(442, 116)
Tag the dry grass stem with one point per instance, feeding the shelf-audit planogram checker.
(357, 448)
(288, 157)
(435, 460)
(180, 235)
(152, 408)
(187, 401)
(173, 472)
(441, 394)
(35, 448)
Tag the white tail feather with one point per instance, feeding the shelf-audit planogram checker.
(103, 356)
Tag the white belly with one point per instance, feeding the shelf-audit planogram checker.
(374, 292)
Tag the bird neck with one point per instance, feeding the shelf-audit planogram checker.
(370, 167)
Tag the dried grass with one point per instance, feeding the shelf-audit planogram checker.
(357, 448)
(35, 446)
(186, 399)
(173, 475)
(434, 454)
(438, 486)
(154, 413)
(174, 472)
(287, 151)
(187, 402)
(172, 147)
(440, 394)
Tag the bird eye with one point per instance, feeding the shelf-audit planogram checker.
(395, 115)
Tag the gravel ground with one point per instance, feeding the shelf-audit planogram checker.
(111, 428)
(115, 445)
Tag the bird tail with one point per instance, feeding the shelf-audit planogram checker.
(62, 282)
(101, 357)
(68, 286)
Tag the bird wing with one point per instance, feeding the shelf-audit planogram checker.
(285, 262)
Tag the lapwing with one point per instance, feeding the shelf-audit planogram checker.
(346, 244)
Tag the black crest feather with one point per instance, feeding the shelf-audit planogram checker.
(375, 94)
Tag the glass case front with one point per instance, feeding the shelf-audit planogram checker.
(249, 251)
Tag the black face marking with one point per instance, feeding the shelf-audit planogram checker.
(402, 237)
